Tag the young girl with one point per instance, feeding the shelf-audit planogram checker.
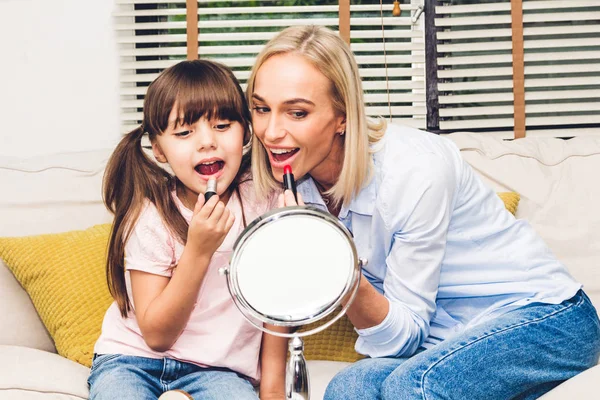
(173, 324)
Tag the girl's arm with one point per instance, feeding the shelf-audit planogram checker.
(163, 305)
(273, 354)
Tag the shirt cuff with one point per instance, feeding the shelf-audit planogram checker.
(148, 267)
(373, 331)
(394, 336)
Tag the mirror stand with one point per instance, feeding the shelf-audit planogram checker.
(329, 275)
(297, 385)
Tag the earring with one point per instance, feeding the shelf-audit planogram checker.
(341, 133)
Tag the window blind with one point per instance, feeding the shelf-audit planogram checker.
(152, 36)
(390, 52)
(561, 58)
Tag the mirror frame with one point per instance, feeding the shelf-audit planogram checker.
(251, 314)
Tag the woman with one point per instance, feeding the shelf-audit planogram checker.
(459, 299)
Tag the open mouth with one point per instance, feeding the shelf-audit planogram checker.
(209, 168)
(281, 155)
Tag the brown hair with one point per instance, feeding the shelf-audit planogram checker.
(198, 88)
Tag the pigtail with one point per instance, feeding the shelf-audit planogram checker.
(130, 179)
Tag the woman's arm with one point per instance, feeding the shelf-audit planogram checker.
(369, 307)
(273, 354)
(412, 216)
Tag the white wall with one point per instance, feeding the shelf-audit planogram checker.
(58, 76)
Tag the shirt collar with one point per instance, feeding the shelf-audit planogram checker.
(363, 203)
(310, 193)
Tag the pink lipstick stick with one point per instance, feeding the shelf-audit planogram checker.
(288, 181)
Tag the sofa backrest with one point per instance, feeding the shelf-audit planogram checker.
(50, 194)
(555, 178)
(559, 193)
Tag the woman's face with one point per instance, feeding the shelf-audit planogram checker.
(293, 117)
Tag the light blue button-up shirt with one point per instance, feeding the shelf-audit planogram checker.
(441, 247)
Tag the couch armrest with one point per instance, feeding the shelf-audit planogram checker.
(581, 387)
(21, 325)
(30, 374)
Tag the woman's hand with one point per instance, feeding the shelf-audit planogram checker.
(286, 199)
(209, 226)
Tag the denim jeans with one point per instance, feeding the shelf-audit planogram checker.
(115, 376)
(519, 355)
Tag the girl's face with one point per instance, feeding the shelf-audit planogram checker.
(294, 118)
(200, 151)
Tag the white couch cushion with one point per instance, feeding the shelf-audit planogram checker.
(35, 374)
(21, 323)
(581, 387)
(558, 188)
(320, 373)
(51, 194)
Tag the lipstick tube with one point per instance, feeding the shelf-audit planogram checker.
(288, 181)
(211, 189)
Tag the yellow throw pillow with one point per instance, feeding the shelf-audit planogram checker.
(64, 274)
(511, 201)
(337, 342)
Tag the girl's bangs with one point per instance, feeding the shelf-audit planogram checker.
(212, 99)
(197, 90)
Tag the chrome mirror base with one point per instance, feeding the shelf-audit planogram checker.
(297, 385)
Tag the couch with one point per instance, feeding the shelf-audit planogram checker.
(559, 196)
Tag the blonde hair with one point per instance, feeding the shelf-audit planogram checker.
(333, 58)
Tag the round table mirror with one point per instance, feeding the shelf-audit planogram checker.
(292, 267)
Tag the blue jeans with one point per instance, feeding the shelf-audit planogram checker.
(115, 376)
(519, 355)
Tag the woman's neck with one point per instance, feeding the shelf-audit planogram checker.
(327, 173)
(332, 207)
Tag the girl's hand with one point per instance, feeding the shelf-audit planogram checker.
(286, 199)
(209, 225)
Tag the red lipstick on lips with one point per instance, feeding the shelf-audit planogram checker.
(288, 181)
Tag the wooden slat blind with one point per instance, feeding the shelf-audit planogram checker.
(475, 65)
(153, 35)
(561, 66)
(518, 67)
(400, 57)
(562, 70)
(344, 18)
(191, 15)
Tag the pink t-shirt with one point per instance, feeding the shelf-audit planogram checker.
(216, 334)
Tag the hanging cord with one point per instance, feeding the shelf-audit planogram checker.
(387, 80)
